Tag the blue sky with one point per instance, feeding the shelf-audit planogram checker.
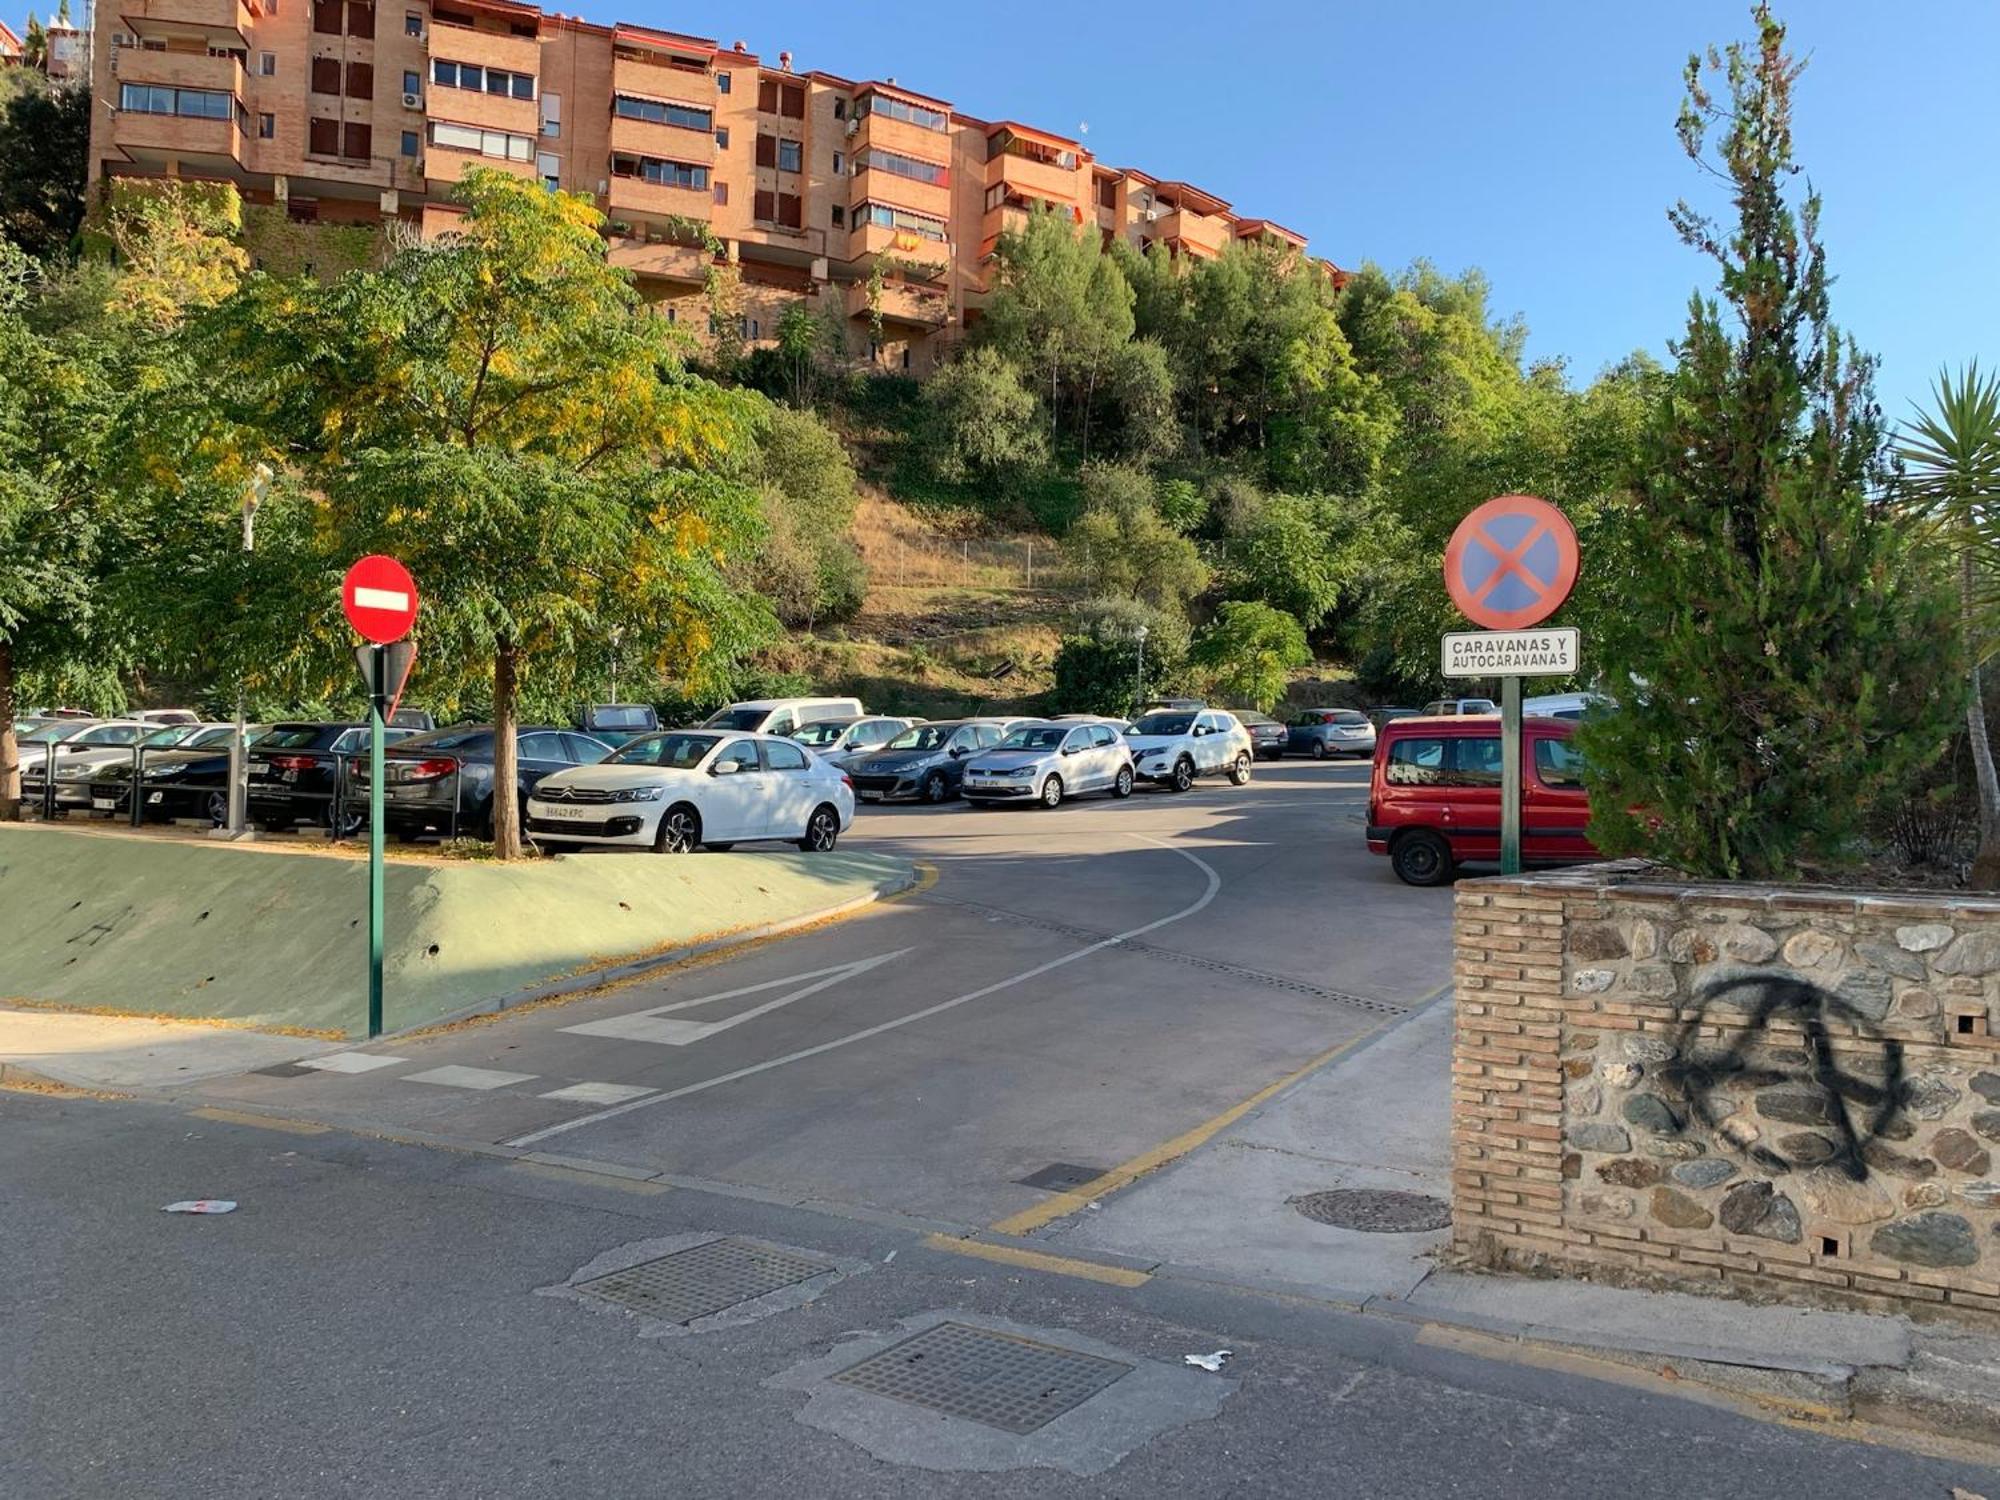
(1531, 139)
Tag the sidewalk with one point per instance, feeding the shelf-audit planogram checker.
(1379, 1117)
(130, 1052)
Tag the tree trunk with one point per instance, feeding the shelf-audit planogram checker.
(506, 797)
(10, 743)
(1985, 874)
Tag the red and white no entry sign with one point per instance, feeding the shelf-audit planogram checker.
(1511, 563)
(379, 598)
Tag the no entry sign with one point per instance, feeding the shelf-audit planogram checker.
(1511, 563)
(379, 598)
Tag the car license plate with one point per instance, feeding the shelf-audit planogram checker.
(564, 814)
(104, 804)
(869, 796)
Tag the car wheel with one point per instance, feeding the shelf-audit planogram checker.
(822, 830)
(936, 788)
(680, 830)
(1183, 774)
(1239, 771)
(1122, 786)
(344, 824)
(1421, 858)
(216, 807)
(1052, 792)
(1319, 749)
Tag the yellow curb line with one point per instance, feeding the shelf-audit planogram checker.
(1035, 1260)
(262, 1122)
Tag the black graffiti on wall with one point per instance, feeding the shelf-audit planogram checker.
(1843, 1099)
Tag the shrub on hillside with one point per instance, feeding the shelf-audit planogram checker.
(983, 426)
(1247, 654)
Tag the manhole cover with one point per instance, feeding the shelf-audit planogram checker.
(997, 1379)
(1061, 1176)
(284, 1070)
(704, 1279)
(1374, 1210)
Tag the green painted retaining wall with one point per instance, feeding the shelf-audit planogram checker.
(270, 937)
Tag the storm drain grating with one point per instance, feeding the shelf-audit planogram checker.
(997, 1379)
(1374, 1210)
(703, 1279)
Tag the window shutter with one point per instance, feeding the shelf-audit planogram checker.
(360, 17)
(794, 101)
(326, 17)
(791, 211)
(358, 141)
(323, 137)
(767, 150)
(326, 75)
(767, 96)
(360, 80)
(766, 206)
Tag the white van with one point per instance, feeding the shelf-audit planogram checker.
(781, 715)
(1570, 706)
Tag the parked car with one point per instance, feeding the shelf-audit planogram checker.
(838, 741)
(926, 761)
(63, 737)
(1172, 705)
(294, 776)
(1321, 732)
(1448, 706)
(781, 715)
(1175, 747)
(1268, 737)
(1434, 798)
(1047, 762)
(1381, 715)
(616, 724)
(1571, 706)
(442, 782)
(78, 771)
(416, 720)
(682, 789)
(167, 716)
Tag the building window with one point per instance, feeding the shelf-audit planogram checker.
(839, 108)
(326, 75)
(722, 83)
(327, 17)
(498, 144)
(932, 172)
(322, 137)
(549, 169)
(722, 194)
(552, 115)
(413, 24)
(678, 174)
(839, 216)
(764, 206)
(409, 143)
(1107, 193)
(662, 112)
(413, 81)
(836, 163)
(722, 138)
(906, 356)
(786, 99)
(790, 155)
(1006, 143)
(199, 104)
(302, 210)
(267, 64)
(267, 127)
(897, 109)
(478, 80)
(361, 17)
(890, 217)
(360, 80)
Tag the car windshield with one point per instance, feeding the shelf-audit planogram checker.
(49, 734)
(679, 750)
(820, 735)
(609, 716)
(1163, 724)
(463, 738)
(296, 736)
(1035, 737)
(173, 734)
(736, 718)
(922, 737)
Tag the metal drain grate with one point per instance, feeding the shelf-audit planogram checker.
(996, 1379)
(703, 1279)
(1060, 1177)
(1375, 1210)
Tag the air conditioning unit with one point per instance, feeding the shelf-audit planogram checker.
(1152, 214)
(853, 126)
(603, 186)
(413, 101)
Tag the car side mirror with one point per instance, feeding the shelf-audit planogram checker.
(725, 768)
(957, 751)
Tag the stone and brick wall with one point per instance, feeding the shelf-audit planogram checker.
(1782, 1091)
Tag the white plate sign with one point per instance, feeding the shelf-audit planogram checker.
(1512, 653)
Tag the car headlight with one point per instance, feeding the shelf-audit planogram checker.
(639, 794)
(160, 773)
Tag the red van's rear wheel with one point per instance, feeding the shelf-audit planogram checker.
(1421, 858)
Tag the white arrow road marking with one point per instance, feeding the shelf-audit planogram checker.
(654, 1026)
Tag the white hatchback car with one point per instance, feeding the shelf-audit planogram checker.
(1045, 763)
(683, 789)
(1174, 746)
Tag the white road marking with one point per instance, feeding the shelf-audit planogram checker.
(598, 1093)
(651, 1025)
(350, 1062)
(1214, 886)
(452, 1076)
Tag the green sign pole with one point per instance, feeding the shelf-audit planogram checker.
(1510, 776)
(375, 703)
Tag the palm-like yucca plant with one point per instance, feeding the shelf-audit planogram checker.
(1951, 480)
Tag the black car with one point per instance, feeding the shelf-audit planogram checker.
(442, 782)
(293, 771)
(925, 762)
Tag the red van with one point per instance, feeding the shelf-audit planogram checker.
(1434, 800)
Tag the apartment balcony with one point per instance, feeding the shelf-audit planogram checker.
(1006, 218)
(1034, 179)
(635, 195)
(488, 111)
(208, 144)
(183, 70)
(870, 240)
(687, 264)
(900, 136)
(662, 80)
(662, 142)
(215, 18)
(875, 183)
(489, 49)
(905, 305)
(444, 164)
(1200, 235)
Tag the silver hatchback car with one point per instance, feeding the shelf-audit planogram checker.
(1324, 732)
(1045, 763)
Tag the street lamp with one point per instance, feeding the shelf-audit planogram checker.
(1139, 688)
(261, 476)
(617, 639)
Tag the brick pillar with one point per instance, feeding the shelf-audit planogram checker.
(1507, 1097)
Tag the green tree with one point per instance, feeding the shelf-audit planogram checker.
(805, 565)
(1120, 546)
(1116, 654)
(1297, 553)
(982, 425)
(496, 408)
(44, 153)
(1951, 482)
(1248, 653)
(1780, 666)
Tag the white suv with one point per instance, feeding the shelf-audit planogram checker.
(1175, 746)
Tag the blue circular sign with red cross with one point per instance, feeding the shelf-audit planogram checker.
(1511, 563)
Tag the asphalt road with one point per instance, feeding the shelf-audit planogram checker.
(1076, 987)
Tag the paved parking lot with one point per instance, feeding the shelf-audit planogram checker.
(1074, 987)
